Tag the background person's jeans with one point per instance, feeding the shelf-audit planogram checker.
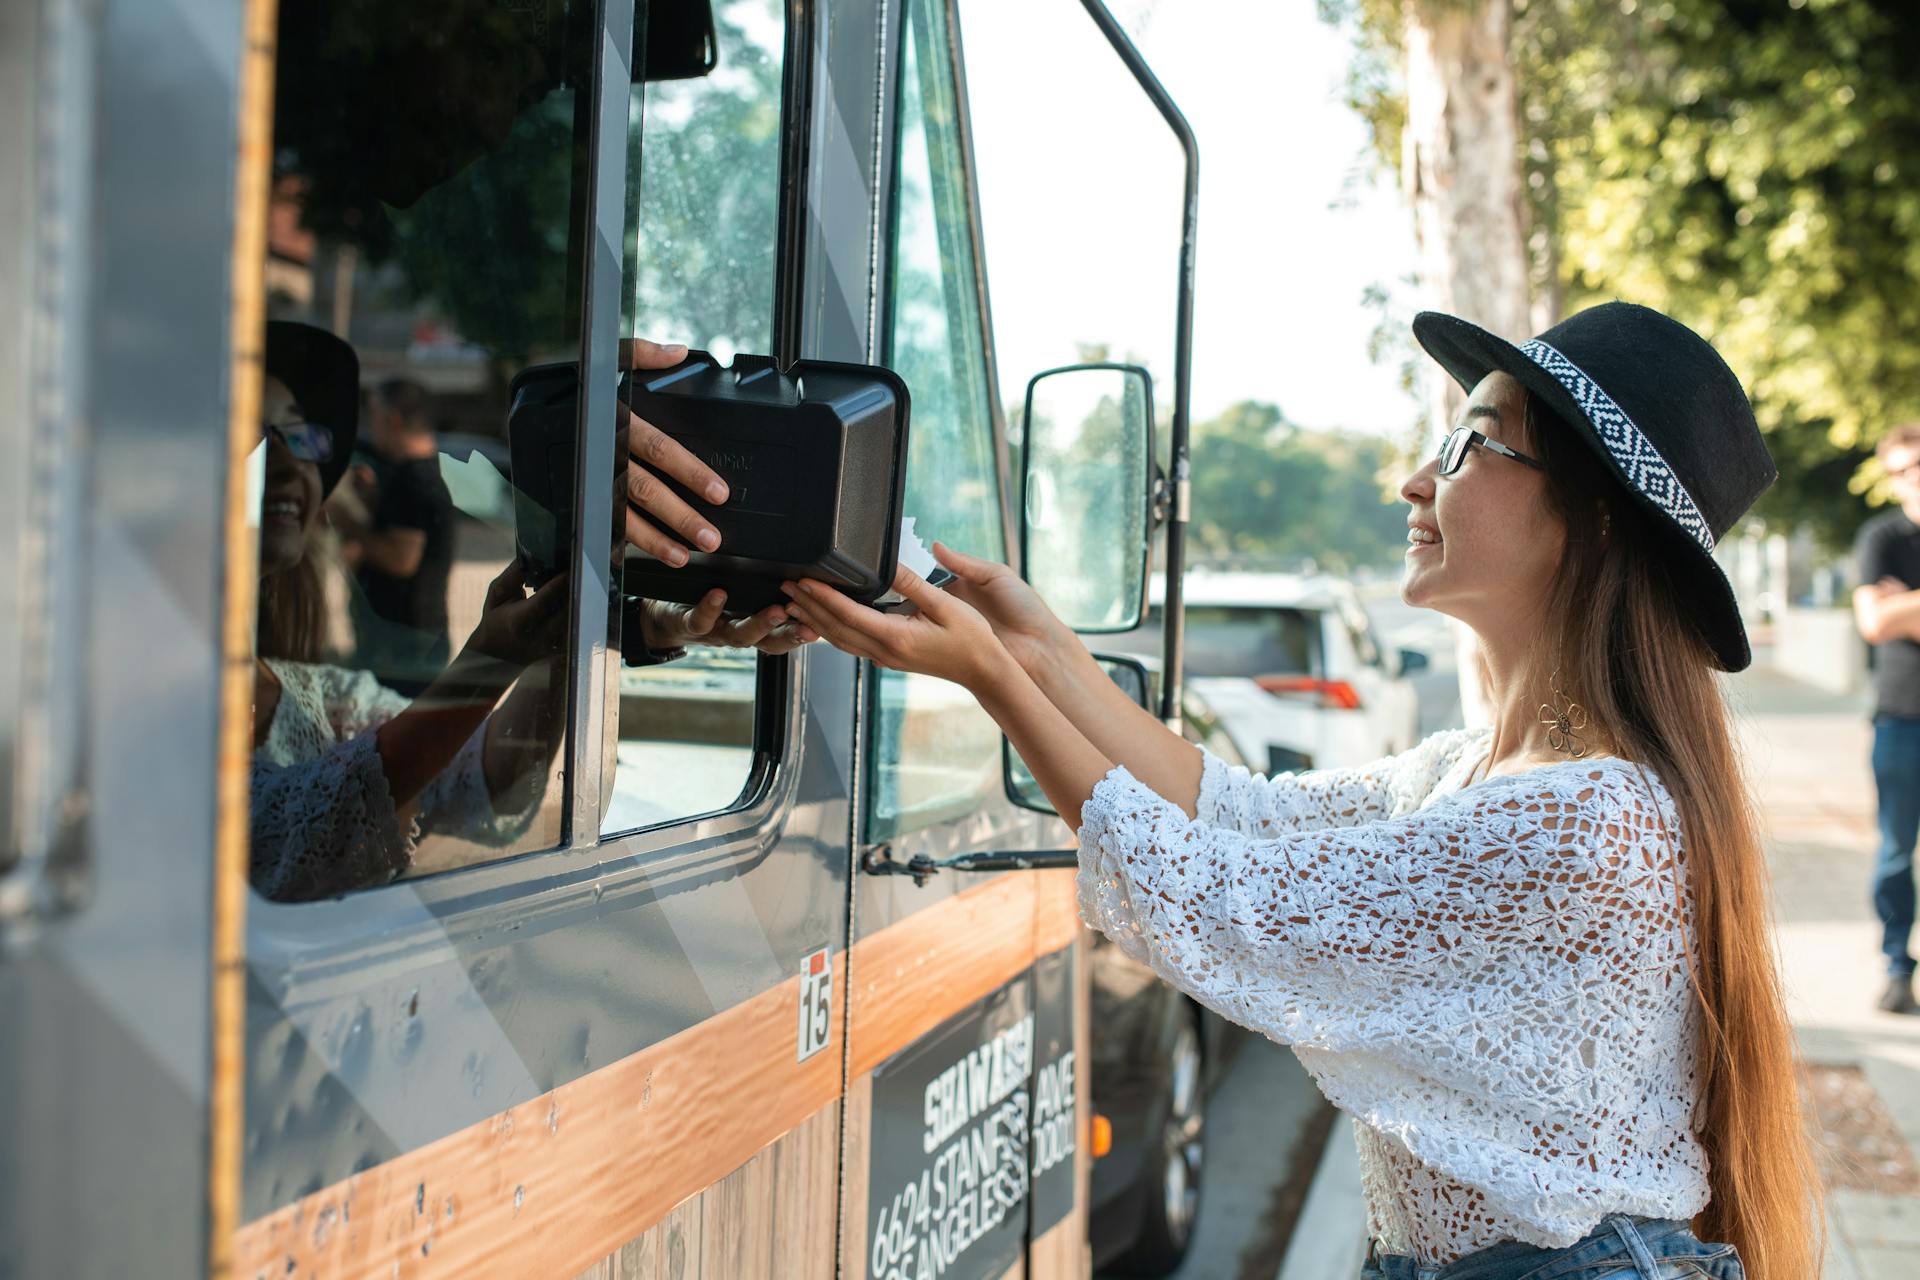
(1896, 772)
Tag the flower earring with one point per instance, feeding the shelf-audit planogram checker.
(1564, 720)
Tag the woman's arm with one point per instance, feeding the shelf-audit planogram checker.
(1067, 675)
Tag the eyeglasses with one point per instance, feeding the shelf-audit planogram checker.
(1453, 450)
(306, 441)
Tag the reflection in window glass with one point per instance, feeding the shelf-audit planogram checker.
(703, 216)
(935, 752)
(707, 186)
(410, 685)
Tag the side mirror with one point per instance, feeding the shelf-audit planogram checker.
(1413, 660)
(1023, 789)
(1087, 493)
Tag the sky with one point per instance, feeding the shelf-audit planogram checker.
(1296, 220)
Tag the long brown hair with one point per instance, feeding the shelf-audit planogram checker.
(1626, 649)
(293, 609)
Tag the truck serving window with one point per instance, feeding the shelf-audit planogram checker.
(429, 243)
(935, 752)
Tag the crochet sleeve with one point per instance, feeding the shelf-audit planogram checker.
(326, 826)
(1512, 889)
(1235, 798)
(459, 803)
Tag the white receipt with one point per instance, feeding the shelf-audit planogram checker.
(913, 552)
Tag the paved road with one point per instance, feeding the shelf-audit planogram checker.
(1262, 1144)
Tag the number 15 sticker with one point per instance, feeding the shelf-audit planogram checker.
(816, 1002)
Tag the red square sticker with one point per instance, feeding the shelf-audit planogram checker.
(817, 962)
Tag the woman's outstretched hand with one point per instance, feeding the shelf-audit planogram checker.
(946, 638)
(1019, 617)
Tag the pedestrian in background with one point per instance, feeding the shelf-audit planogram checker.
(1886, 605)
(403, 559)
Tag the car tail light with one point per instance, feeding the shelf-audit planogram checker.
(1337, 694)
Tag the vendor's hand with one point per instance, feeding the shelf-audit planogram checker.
(653, 453)
(1015, 611)
(771, 631)
(518, 628)
(947, 637)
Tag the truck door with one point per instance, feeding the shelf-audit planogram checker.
(587, 1024)
(966, 1013)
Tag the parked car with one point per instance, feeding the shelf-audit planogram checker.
(1156, 1058)
(1292, 667)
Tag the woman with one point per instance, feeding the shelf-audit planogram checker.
(348, 776)
(1532, 961)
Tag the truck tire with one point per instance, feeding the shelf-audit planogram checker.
(1169, 1187)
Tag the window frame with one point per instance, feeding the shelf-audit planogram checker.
(888, 184)
(329, 941)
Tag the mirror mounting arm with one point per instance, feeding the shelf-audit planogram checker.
(880, 862)
(1163, 504)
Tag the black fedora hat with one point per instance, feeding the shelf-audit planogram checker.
(1660, 406)
(323, 374)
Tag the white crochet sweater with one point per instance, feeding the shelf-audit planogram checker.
(1492, 981)
(324, 821)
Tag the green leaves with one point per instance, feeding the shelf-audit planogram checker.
(1750, 167)
(1264, 489)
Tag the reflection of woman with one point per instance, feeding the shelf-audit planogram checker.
(347, 775)
(1533, 962)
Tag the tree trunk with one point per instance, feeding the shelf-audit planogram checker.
(1461, 167)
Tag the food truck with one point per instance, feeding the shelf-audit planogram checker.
(389, 885)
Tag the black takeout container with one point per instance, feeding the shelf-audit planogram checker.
(814, 457)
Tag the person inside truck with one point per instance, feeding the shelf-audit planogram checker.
(1532, 961)
(347, 774)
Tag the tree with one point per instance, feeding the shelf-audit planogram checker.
(1264, 489)
(1754, 170)
(1750, 167)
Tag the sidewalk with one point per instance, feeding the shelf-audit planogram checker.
(1807, 754)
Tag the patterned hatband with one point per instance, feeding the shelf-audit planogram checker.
(1635, 455)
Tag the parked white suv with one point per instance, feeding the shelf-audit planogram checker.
(1292, 667)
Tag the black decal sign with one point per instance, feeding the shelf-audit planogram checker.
(947, 1168)
(1056, 1123)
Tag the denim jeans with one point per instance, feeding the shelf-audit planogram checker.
(1896, 772)
(1621, 1247)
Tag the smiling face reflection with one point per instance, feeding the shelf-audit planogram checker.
(1482, 544)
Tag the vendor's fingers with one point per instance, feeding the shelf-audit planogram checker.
(641, 353)
(748, 632)
(784, 639)
(700, 620)
(659, 451)
(647, 536)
